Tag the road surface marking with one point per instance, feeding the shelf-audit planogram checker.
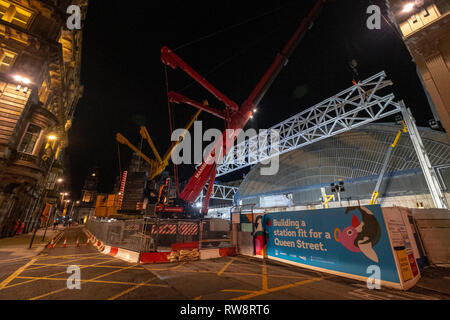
(178, 266)
(64, 262)
(84, 265)
(283, 287)
(97, 281)
(225, 267)
(131, 289)
(86, 281)
(5, 282)
(264, 276)
(197, 298)
(52, 275)
(237, 290)
(15, 259)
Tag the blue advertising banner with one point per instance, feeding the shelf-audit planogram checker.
(346, 240)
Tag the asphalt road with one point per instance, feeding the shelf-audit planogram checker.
(232, 278)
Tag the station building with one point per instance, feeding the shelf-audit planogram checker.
(354, 158)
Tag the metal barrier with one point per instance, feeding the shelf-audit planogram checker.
(153, 234)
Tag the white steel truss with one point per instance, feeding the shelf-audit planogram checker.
(349, 109)
(220, 192)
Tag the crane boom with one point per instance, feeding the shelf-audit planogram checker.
(237, 118)
(156, 167)
(144, 133)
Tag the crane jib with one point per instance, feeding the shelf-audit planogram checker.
(239, 117)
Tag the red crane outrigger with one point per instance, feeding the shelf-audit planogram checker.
(235, 118)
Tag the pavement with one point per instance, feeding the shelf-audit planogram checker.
(17, 247)
(45, 277)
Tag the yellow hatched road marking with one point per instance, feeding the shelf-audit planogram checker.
(62, 263)
(15, 259)
(283, 287)
(90, 280)
(264, 276)
(52, 275)
(131, 289)
(225, 267)
(84, 265)
(97, 281)
(5, 282)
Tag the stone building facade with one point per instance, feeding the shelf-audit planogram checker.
(425, 28)
(40, 60)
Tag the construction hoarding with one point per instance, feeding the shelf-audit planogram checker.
(363, 243)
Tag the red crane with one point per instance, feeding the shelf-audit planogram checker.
(235, 117)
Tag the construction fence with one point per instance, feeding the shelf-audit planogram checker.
(153, 234)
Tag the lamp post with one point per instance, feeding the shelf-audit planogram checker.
(53, 212)
(43, 193)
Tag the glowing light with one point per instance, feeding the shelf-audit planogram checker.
(21, 79)
(408, 7)
(198, 204)
(52, 137)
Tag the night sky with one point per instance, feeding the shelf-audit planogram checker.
(231, 43)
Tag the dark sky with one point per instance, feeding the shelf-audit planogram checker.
(125, 83)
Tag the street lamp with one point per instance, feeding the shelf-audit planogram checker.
(408, 7)
(22, 80)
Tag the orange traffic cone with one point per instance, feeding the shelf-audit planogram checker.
(87, 242)
(65, 243)
(51, 243)
(78, 241)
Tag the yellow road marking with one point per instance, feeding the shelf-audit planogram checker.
(283, 287)
(52, 275)
(96, 281)
(15, 259)
(5, 282)
(236, 290)
(131, 289)
(58, 237)
(64, 262)
(84, 265)
(197, 298)
(178, 266)
(233, 273)
(225, 267)
(90, 280)
(264, 276)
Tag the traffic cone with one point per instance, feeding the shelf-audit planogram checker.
(87, 242)
(78, 241)
(65, 242)
(51, 243)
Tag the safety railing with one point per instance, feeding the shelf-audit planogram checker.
(153, 234)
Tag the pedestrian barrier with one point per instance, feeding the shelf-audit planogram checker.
(155, 240)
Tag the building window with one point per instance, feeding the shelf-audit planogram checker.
(3, 8)
(14, 14)
(30, 139)
(7, 59)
